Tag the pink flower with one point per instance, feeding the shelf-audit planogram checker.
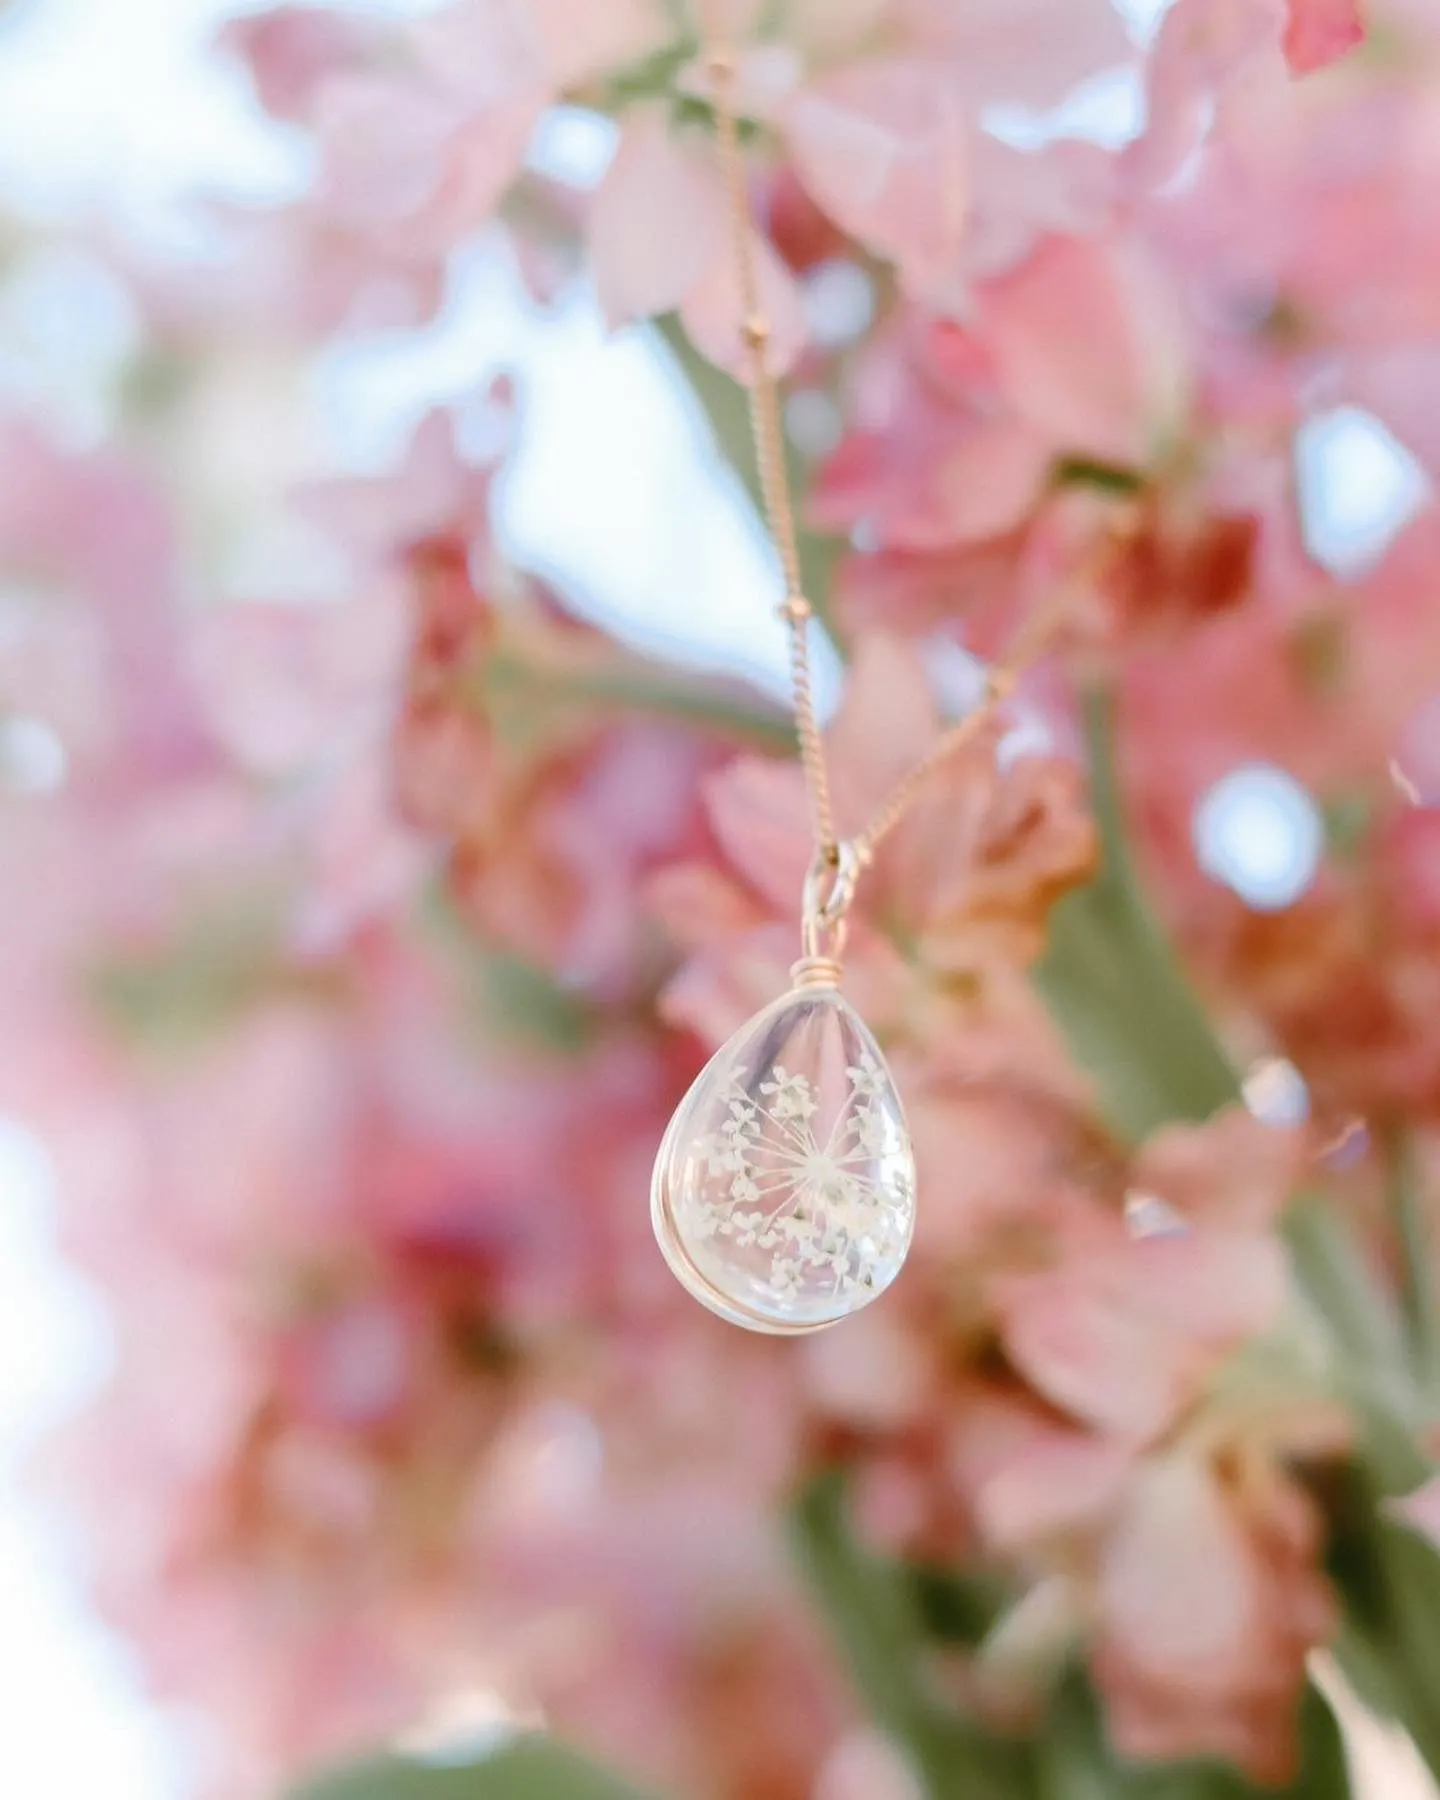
(1123, 1334)
(989, 465)
(435, 494)
(1036, 1479)
(891, 147)
(953, 910)
(888, 144)
(1209, 1602)
(90, 636)
(335, 1351)
(548, 832)
(1209, 49)
(1336, 693)
(936, 454)
(661, 239)
(292, 51)
(1141, 1484)
(1088, 346)
(658, 223)
(883, 146)
(1318, 31)
(421, 145)
(1123, 1331)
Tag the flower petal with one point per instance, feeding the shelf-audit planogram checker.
(1078, 1339)
(1210, 1599)
(1028, 52)
(1232, 1169)
(1088, 346)
(884, 147)
(578, 40)
(885, 724)
(757, 809)
(657, 222)
(1201, 46)
(291, 52)
(1177, 1589)
(713, 313)
(1319, 31)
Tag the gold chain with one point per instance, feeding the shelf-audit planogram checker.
(767, 425)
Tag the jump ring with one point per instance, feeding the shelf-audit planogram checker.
(829, 892)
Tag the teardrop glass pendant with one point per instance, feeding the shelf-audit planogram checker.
(784, 1192)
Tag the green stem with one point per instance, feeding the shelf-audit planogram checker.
(1112, 983)
(522, 1768)
(1389, 1645)
(873, 1616)
(517, 695)
(1417, 1269)
(726, 408)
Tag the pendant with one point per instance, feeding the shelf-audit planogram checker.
(784, 1192)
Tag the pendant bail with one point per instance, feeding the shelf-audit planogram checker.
(829, 891)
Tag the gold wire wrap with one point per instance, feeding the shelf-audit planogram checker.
(815, 972)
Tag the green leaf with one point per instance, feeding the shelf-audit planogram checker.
(1112, 983)
(1335, 1273)
(959, 1607)
(1359, 1346)
(1416, 1257)
(1389, 1577)
(1348, 818)
(872, 1608)
(1110, 478)
(523, 699)
(1076, 1761)
(652, 79)
(527, 1004)
(873, 1616)
(225, 958)
(527, 1768)
(513, 1001)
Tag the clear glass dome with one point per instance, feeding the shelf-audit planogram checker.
(784, 1192)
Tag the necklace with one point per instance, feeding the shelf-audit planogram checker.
(784, 1190)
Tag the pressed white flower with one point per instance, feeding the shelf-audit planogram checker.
(816, 1203)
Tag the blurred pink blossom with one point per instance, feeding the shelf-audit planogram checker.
(364, 942)
(952, 915)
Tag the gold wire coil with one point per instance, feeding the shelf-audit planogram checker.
(815, 972)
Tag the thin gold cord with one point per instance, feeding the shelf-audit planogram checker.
(767, 426)
(1032, 642)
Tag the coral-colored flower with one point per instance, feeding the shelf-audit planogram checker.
(1209, 1601)
(953, 911)
(1136, 1472)
(551, 812)
(1318, 31)
(1088, 347)
(1207, 50)
(1122, 1330)
(407, 1413)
